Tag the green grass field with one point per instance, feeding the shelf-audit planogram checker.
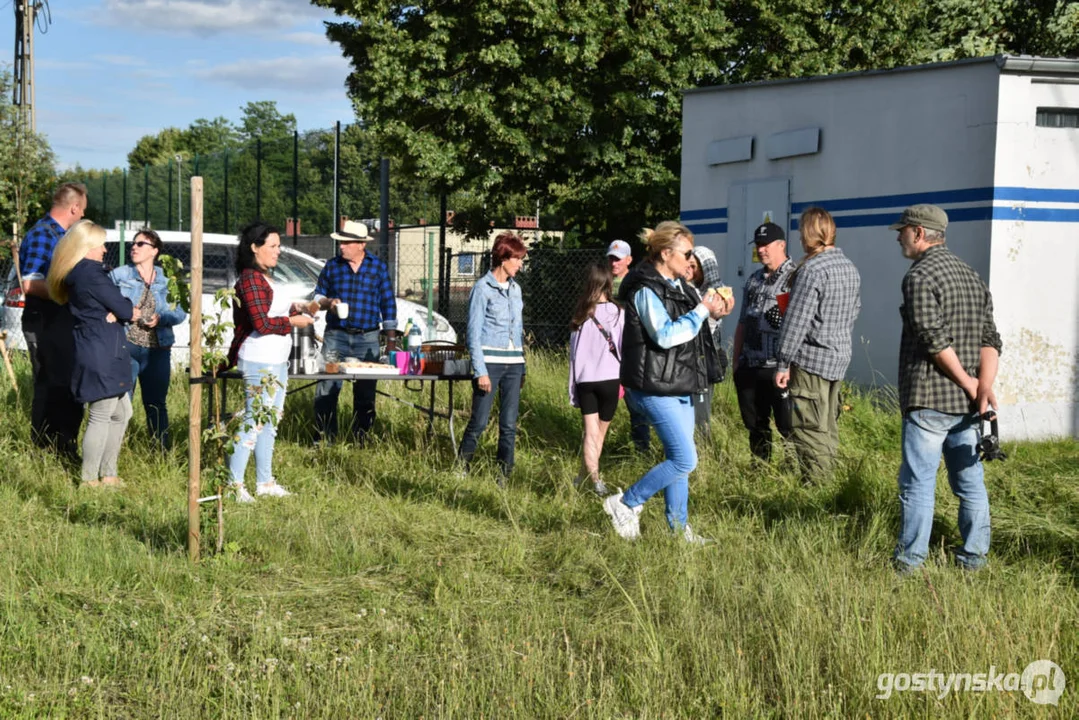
(388, 587)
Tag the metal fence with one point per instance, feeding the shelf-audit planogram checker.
(303, 183)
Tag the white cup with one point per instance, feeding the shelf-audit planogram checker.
(342, 310)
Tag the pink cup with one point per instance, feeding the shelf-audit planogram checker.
(401, 361)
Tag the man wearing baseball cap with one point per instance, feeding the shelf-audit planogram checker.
(619, 256)
(948, 358)
(756, 340)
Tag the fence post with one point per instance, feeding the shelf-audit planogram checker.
(169, 224)
(226, 230)
(443, 277)
(194, 410)
(146, 195)
(384, 215)
(258, 178)
(337, 178)
(295, 187)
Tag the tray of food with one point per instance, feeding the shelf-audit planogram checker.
(363, 367)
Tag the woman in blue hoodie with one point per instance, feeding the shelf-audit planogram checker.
(150, 340)
(101, 373)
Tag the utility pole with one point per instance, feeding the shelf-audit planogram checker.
(26, 15)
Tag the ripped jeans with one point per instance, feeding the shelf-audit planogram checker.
(258, 438)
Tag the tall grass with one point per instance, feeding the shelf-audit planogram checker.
(387, 586)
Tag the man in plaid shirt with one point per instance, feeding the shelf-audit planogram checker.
(814, 342)
(947, 364)
(48, 328)
(356, 285)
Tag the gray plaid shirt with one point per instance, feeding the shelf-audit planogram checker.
(820, 317)
(945, 304)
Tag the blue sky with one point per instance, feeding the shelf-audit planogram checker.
(110, 71)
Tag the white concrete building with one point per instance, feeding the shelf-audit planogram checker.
(994, 141)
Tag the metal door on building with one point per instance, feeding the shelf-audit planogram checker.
(748, 205)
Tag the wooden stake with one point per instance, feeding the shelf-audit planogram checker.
(7, 362)
(194, 411)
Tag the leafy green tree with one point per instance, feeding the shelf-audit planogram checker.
(27, 166)
(578, 103)
(975, 28)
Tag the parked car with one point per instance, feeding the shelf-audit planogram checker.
(296, 272)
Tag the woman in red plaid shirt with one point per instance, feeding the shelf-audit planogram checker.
(260, 347)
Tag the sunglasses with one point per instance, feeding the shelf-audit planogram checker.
(687, 254)
(141, 243)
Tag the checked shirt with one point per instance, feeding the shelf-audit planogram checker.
(367, 291)
(824, 303)
(250, 313)
(945, 304)
(35, 251)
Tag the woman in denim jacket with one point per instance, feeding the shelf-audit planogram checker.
(150, 340)
(496, 343)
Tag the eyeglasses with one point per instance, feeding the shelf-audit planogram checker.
(141, 243)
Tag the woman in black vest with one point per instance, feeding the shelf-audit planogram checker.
(665, 359)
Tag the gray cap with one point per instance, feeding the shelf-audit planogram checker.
(930, 217)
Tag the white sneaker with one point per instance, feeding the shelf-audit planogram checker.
(693, 538)
(626, 520)
(271, 489)
(242, 496)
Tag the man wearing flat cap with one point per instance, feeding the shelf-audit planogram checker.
(360, 284)
(947, 364)
(756, 341)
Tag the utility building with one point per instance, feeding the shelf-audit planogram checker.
(994, 141)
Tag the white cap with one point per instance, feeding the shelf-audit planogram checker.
(620, 249)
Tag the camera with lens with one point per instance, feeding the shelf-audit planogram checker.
(989, 445)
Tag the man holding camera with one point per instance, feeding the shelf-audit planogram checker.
(947, 364)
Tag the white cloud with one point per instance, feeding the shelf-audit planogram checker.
(308, 76)
(307, 38)
(125, 60)
(208, 16)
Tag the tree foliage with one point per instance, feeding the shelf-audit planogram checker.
(27, 166)
(579, 104)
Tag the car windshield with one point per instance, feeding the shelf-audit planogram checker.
(295, 270)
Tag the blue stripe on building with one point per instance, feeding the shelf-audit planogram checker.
(943, 197)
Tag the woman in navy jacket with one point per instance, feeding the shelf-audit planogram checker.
(150, 340)
(102, 365)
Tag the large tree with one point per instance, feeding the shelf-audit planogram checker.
(578, 104)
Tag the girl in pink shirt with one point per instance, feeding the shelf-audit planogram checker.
(594, 362)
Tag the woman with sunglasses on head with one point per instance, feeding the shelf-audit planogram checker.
(150, 340)
(665, 359)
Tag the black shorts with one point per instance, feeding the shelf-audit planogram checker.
(599, 397)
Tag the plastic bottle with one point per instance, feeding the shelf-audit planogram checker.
(405, 334)
(415, 339)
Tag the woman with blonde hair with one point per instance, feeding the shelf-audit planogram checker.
(595, 343)
(665, 359)
(815, 342)
(101, 375)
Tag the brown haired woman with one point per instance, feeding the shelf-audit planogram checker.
(495, 339)
(594, 363)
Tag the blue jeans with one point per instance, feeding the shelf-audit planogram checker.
(258, 438)
(151, 368)
(926, 434)
(361, 347)
(507, 380)
(672, 417)
(639, 429)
